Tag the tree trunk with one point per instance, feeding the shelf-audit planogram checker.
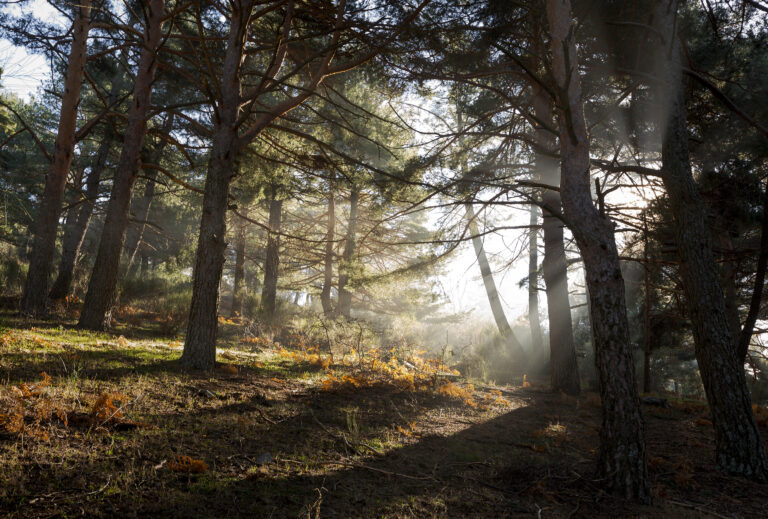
(738, 446)
(646, 313)
(622, 446)
(141, 213)
(325, 295)
(237, 284)
(272, 259)
(200, 343)
(102, 287)
(74, 233)
(564, 369)
(344, 307)
(490, 286)
(35, 298)
(537, 343)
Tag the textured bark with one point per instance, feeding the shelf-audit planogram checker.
(74, 232)
(140, 213)
(272, 258)
(738, 446)
(238, 285)
(537, 343)
(325, 295)
(345, 296)
(646, 314)
(490, 285)
(564, 369)
(622, 446)
(35, 298)
(200, 343)
(102, 287)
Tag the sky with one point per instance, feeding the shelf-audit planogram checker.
(463, 284)
(22, 72)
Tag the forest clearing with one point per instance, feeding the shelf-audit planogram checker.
(269, 436)
(384, 258)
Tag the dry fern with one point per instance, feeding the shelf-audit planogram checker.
(187, 465)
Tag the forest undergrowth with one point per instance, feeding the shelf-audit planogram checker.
(108, 425)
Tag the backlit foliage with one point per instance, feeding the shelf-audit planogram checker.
(413, 374)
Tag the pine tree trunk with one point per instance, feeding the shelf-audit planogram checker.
(272, 259)
(35, 298)
(738, 446)
(200, 343)
(490, 286)
(237, 284)
(102, 287)
(622, 445)
(344, 306)
(74, 233)
(646, 313)
(564, 369)
(537, 343)
(325, 295)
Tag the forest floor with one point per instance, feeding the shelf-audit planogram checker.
(120, 431)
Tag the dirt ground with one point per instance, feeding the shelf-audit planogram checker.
(273, 441)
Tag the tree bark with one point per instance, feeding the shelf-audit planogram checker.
(622, 445)
(102, 287)
(537, 343)
(564, 369)
(272, 258)
(344, 306)
(325, 295)
(738, 447)
(35, 298)
(490, 286)
(200, 342)
(646, 313)
(237, 285)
